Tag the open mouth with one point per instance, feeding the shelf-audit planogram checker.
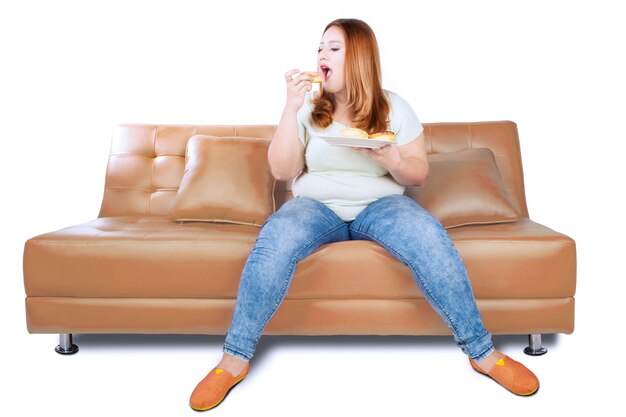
(324, 69)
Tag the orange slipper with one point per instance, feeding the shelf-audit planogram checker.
(214, 387)
(512, 375)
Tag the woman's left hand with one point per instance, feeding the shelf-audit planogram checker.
(388, 156)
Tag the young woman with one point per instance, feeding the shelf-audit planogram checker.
(351, 193)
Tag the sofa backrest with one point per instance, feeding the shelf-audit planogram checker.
(147, 162)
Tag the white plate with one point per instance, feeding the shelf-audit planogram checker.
(356, 142)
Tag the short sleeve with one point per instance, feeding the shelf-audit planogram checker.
(404, 122)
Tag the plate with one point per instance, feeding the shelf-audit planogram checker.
(356, 142)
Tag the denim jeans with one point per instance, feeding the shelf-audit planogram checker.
(398, 223)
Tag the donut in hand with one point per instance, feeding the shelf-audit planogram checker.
(315, 77)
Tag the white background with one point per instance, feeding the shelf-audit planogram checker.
(71, 71)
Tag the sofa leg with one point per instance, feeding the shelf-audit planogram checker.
(66, 347)
(534, 347)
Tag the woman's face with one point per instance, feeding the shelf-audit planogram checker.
(330, 59)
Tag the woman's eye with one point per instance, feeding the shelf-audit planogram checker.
(332, 49)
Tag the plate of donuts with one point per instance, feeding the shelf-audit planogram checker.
(352, 137)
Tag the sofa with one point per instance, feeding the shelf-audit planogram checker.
(137, 268)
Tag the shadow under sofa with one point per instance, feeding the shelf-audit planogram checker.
(136, 270)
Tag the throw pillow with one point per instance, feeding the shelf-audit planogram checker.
(465, 187)
(226, 179)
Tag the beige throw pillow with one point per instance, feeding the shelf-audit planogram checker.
(465, 187)
(227, 179)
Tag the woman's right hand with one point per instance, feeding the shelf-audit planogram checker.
(297, 88)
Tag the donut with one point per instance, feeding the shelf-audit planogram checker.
(386, 135)
(315, 78)
(353, 132)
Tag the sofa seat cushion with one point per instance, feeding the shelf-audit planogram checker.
(136, 256)
(155, 257)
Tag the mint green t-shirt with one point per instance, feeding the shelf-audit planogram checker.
(343, 179)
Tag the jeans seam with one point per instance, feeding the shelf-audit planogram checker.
(452, 324)
(231, 348)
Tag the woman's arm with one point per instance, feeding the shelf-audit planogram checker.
(410, 171)
(286, 152)
(408, 163)
(413, 166)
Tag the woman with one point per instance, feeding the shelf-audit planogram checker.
(351, 193)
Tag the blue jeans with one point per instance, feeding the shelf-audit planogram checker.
(398, 223)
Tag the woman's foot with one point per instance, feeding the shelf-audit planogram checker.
(509, 373)
(487, 363)
(232, 364)
(213, 388)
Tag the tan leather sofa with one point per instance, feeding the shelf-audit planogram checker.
(135, 270)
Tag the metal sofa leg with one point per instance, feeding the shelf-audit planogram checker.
(534, 347)
(66, 347)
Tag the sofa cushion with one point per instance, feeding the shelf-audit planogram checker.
(465, 188)
(156, 257)
(227, 179)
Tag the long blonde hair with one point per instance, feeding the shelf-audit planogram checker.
(363, 81)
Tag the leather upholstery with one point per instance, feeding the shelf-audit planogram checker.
(134, 270)
(147, 162)
(154, 257)
(464, 188)
(227, 179)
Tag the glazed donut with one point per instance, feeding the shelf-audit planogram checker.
(315, 78)
(353, 132)
(386, 135)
